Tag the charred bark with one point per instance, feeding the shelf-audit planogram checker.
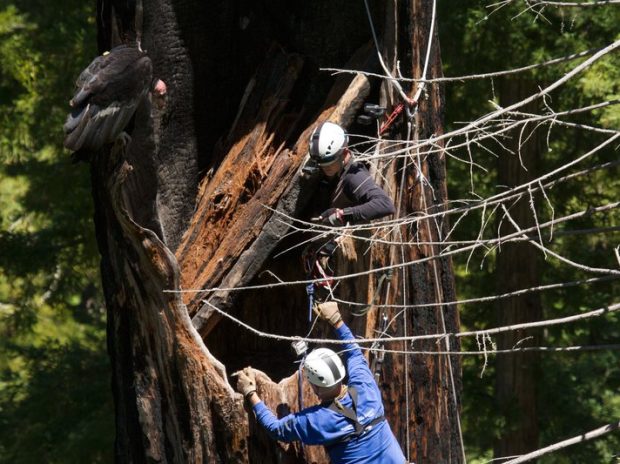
(165, 380)
(430, 421)
(190, 203)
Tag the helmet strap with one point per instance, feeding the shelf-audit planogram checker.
(343, 164)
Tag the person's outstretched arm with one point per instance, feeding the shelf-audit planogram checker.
(290, 428)
(356, 364)
(371, 200)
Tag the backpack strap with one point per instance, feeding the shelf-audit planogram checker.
(349, 413)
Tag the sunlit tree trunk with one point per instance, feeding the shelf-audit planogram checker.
(517, 267)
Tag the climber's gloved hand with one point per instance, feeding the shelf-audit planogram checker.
(332, 216)
(329, 312)
(246, 381)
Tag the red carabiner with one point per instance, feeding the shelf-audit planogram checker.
(391, 118)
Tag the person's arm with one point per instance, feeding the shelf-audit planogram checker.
(357, 367)
(286, 429)
(289, 428)
(371, 201)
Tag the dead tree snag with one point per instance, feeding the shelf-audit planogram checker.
(197, 211)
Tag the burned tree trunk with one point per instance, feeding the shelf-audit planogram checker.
(428, 386)
(201, 200)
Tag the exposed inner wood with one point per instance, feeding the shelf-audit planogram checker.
(259, 173)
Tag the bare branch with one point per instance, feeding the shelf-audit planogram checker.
(440, 336)
(563, 444)
(470, 77)
(573, 4)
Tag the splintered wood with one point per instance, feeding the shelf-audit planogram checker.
(258, 171)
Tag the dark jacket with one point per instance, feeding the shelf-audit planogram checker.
(357, 194)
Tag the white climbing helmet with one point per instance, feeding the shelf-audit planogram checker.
(324, 368)
(327, 142)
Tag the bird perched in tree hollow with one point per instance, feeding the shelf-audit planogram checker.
(108, 92)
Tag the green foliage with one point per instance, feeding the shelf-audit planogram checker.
(576, 392)
(55, 403)
(43, 46)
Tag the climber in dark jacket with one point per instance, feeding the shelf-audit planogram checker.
(354, 196)
(350, 420)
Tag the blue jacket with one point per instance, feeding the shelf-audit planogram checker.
(319, 425)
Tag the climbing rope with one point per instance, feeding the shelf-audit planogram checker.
(384, 278)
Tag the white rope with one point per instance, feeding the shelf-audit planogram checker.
(460, 79)
(541, 349)
(404, 287)
(388, 75)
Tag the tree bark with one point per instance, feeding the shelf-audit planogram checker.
(429, 420)
(189, 204)
(517, 267)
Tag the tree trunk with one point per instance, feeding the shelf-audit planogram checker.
(428, 386)
(189, 204)
(518, 267)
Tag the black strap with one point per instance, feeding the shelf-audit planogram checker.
(350, 413)
(385, 276)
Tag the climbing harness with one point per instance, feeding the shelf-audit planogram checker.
(351, 414)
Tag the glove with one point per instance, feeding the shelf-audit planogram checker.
(329, 311)
(246, 383)
(332, 216)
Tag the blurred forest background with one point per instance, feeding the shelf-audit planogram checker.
(55, 399)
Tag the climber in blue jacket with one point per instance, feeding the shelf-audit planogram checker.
(350, 420)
